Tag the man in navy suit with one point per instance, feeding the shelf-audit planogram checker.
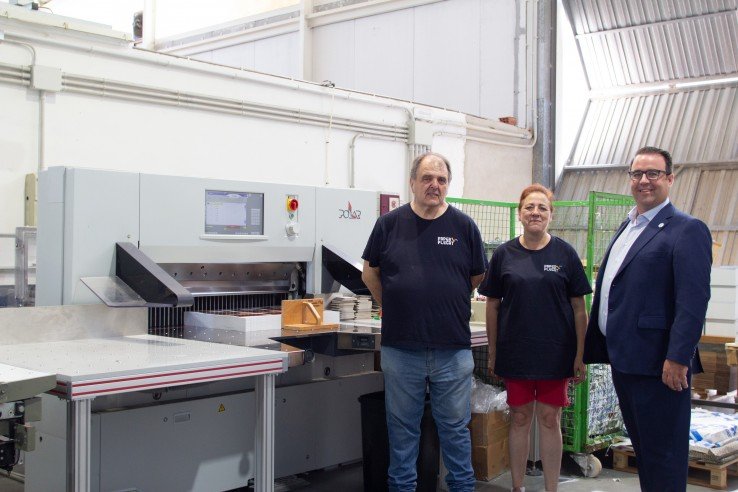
(647, 317)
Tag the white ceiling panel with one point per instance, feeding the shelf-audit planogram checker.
(497, 44)
(384, 54)
(336, 60)
(241, 56)
(448, 55)
(278, 55)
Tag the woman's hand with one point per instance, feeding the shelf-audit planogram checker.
(580, 370)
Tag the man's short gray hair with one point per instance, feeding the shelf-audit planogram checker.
(419, 159)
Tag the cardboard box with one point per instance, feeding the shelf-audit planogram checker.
(731, 351)
(489, 444)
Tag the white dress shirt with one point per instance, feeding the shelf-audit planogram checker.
(636, 225)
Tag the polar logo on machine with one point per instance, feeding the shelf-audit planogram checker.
(447, 241)
(349, 213)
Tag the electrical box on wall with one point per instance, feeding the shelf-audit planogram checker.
(421, 133)
(46, 78)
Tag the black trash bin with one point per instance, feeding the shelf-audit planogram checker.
(375, 445)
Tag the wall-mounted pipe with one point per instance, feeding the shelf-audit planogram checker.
(23, 75)
(352, 154)
(41, 131)
(167, 60)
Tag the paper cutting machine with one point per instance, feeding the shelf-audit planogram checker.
(181, 245)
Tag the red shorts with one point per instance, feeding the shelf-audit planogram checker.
(549, 391)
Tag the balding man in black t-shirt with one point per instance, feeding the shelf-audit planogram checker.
(421, 264)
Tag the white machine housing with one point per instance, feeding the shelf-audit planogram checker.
(83, 213)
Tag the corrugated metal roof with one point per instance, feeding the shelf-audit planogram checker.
(709, 193)
(696, 126)
(588, 16)
(641, 57)
(695, 47)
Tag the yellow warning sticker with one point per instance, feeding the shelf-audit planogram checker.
(221, 408)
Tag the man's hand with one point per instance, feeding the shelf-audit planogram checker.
(580, 370)
(674, 375)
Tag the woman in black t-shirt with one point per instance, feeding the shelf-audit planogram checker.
(536, 321)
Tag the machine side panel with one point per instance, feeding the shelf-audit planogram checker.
(208, 444)
(46, 466)
(173, 222)
(100, 209)
(195, 445)
(50, 239)
(346, 217)
(319, 425)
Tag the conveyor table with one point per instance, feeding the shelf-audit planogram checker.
(91, 367)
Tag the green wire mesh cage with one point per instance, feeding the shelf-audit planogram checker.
(593, 420)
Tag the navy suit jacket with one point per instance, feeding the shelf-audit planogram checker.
(658, 298)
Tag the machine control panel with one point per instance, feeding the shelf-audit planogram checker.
(366, 342)
(358, 341)
(292, 205)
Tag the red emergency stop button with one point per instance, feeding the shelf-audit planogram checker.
(292, 204)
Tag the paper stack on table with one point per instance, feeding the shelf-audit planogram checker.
(363, 307)
(345, 305)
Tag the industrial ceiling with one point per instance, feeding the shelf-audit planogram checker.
(662, 73)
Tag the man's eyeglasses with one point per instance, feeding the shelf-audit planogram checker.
(651, 174)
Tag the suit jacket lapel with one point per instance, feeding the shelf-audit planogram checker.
(661, 219)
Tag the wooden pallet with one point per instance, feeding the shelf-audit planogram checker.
(715, 478)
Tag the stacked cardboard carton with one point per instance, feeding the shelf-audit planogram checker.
(489, 444)
(718, 374)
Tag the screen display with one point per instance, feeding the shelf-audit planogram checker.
(234, 213)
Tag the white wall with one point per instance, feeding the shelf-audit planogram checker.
(103, 132)
(461, 55)
(172, 16)
(499, 173)
(117, 14)
(275, 55)
(109, 133)
(180, 16)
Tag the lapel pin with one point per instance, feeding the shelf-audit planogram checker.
(661, 225)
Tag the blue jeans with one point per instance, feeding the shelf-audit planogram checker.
(447, 373)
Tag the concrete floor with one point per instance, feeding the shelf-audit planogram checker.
(349, 479)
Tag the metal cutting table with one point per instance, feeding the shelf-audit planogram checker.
(90, 367)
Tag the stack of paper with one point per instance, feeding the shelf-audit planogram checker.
(345, 305)
(363, 307)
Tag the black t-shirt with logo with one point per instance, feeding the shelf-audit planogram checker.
(536, 338)
(426, 268)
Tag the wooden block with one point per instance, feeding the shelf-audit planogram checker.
(304, 315)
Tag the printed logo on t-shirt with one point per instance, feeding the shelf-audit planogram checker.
(551, 268)
(447, 241)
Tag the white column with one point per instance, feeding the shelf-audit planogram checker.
(78, 445)
(306, 41)
(148, 36)
(264, 446)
